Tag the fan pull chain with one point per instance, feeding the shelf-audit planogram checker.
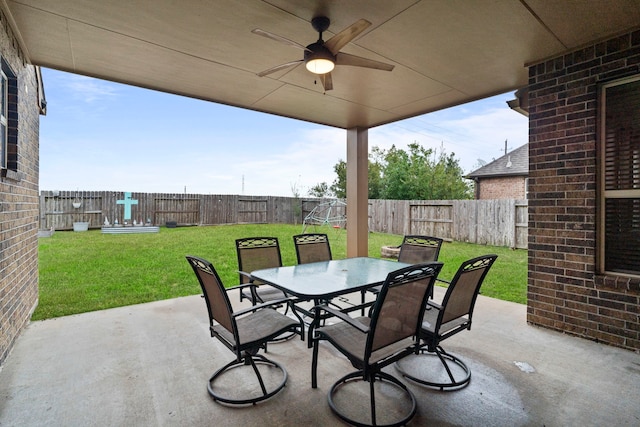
(315, 82)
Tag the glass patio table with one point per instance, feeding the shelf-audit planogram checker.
(321, 281)
(328, 279)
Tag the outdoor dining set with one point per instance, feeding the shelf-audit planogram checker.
(393, 320)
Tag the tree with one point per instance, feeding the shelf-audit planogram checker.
(375, 179)
(422, 174)
(320, 190)
(339, 186)
(297, 203)
(374, 175)
(419, 174)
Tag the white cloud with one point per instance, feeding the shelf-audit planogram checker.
(89, 90)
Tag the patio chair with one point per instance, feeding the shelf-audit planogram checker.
(416, 249)
(244, 332)
(312, 247)
(371, 343)
(442, 321)
(257, 253)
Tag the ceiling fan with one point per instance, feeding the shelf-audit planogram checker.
(321, 57)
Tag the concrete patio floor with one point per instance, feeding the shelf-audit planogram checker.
(148, 365)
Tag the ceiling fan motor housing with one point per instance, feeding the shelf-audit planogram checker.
(318, 51)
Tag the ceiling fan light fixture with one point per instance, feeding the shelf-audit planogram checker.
(318, 59)
(320, 65)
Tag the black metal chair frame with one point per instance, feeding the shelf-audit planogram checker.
(441, 321)
(395, 342)
(229, 326)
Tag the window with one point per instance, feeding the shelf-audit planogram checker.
(8, 122)
(3, 119)
(619, 178)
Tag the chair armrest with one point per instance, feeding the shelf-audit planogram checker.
(342, 316)
(263, 305)
(431, 304)
(241, 286)
(247, 275)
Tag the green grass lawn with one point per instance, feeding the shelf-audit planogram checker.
(89, 271)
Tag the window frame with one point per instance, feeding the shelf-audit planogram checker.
(4, 95)
(10, 153)
(602, 193)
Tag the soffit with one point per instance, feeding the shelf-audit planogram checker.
(445, 52)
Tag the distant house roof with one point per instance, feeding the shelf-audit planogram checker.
(515, 163)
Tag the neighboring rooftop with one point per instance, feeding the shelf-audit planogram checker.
(514, 163)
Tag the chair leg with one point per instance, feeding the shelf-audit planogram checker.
(257, 372)
(314, 363)
(295, 313)
(252, 361)
(372, 399)
(440, 351)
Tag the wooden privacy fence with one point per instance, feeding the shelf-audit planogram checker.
(500, 222)
(490, 222)
(58, 209)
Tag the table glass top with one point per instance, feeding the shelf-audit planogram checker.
(329, 278)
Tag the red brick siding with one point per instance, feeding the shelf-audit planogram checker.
(511, 187)
(19, 205)
(564, 292)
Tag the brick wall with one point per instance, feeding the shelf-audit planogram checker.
(508, 187)
(19, 203)
(564, 291)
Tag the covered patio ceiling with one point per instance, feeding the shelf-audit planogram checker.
(445, 52)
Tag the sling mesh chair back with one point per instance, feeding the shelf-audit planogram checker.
(417, 249)
(256, 253)
(244, 332)
(441, 321)
(312, 247)
(371, 343)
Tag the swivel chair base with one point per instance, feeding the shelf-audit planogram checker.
(382, 415)
(266, 390)
(454, 367)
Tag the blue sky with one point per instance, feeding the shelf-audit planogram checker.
(99, 135)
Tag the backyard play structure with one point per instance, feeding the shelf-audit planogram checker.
(332, 213)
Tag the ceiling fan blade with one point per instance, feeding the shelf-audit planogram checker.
(358, 61)
(337, 42)
(327, 81)
(278, 38)
(279, 67)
